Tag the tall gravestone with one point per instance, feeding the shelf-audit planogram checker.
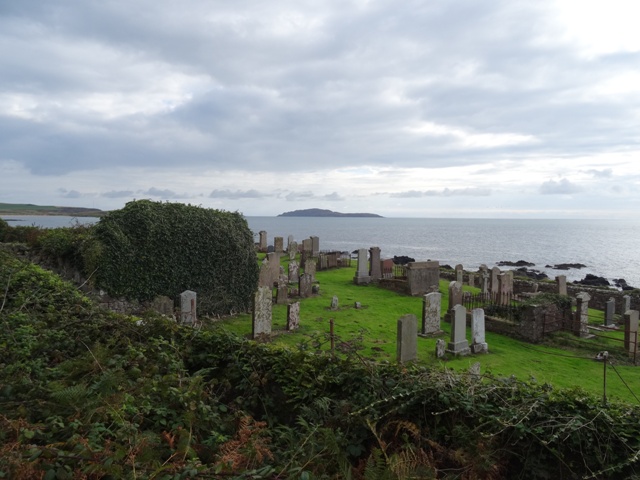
(304, 285)
(289, 241)
(264, 278)
(307, 246)
(458, 344)
(472, 279)
(626, 303)
(561, 281)
(503, 289)
(631, 330)
(294, 272)
(188, 307)
(310, 268)
(278, 244)
(262, 304)
(262, 243)
(422, 277)
(431, 304)
(407, 342)
(362, 272)
(609, 312)
(293, 316)
(581, 322)
(292, 249)
(478, 341)
(315, 246)
(375, 267)
(495, 288)
(455, 298)
(459, 273)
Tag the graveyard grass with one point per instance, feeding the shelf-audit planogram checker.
(564, 363)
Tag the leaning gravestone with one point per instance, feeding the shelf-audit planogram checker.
(188, 307)
(262, 312)
(479, 344)
(431, 304)
(293, 316)
(459, 344)
(407, 344)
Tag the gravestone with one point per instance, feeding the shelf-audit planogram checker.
(375, 267)
(422, 276)
(630, 330)
(431, 303)
(294, 272)
(262, 243)
(282, 295)
(484, 282)
(292, 249)
(282, 277)
(262, 304)
(274, 266)
(307, 247)
(310, 268)
(278, 244)
(474, 369)
(626, 303)
(264, 278)
(357, 305)
(458, 344)
(289, 241)
(472, 279)
(609, 312)
(163, 305)
(440, 348)
(455, 298)
(362, 272)
(495, 288)
(503, 289)
(459, 273)
(293, 316)
(581, 321)
(304, 285)
(561, 281)
(407, 343)
(315, 246)
(334, 303)
(479, 344)
(188, 307)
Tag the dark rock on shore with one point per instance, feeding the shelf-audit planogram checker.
(446, 266)
(519, 263)
(402, 259)
(622, 284)
(532, 274)
(593, 281)
(565, 266)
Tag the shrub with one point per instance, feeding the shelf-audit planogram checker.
(153, 248)
(4, 229)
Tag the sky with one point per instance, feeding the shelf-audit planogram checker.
(457, 108)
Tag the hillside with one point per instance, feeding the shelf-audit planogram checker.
(319, 212)
(30, 209)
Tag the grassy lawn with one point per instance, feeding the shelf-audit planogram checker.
(565, 362)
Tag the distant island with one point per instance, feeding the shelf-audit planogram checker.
(29, 209)
(319, 212)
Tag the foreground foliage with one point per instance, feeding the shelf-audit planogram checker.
(89, 394)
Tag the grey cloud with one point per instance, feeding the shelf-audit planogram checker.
(117, 194)
(71, 193)
(447, 192)
(238, 194)
(156, 192)
(304, 196)
(605, 173)
(561, 187)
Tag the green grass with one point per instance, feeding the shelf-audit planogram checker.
(565, 363)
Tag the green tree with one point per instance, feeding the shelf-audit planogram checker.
(153, 248)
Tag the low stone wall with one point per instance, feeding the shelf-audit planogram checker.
(395, 285)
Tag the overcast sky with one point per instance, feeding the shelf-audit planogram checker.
(456, 108)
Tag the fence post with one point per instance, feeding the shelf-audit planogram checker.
(331, 336)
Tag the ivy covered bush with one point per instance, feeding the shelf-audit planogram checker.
(152, 248)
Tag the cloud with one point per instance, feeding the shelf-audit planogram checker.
(169, 194)
(307, 196)
(118, 194)
(561, 187)
(447, 192)
(605, 173)
(238, 194)
(70, 193)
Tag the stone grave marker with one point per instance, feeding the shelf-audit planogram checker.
(479, 344)
(495, 287)
(458, 344)
(293, 316)
(294, 271)
(455, 298)
(262, 304)
(561, 281)
(262, 244)
(282, 295)
(278, 244)
(609, 312)
(334, 303)
(431, 303)
(362, 273)
(626, 303)
(472, 279)
(631, 330)
(581, 322)
(459, 273)
(375, 266)
(293, 250)
(440, 348)
(422, 276)
(407, 343)
(188, 307)
(310, 268)
(304, 285)
(315, 246)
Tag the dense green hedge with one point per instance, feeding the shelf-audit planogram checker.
(152, 248)
(4, 229)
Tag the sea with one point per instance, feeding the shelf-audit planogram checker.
(608, 248)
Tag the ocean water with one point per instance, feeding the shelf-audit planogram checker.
(608, 248)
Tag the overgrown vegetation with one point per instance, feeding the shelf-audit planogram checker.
(89, 394)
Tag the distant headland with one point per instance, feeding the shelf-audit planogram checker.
(30, 209)
(319, 212)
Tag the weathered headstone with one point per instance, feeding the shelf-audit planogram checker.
(289, 241)
(304, 285)
(282, 295)
(459, 273)
(293, 316)
(455, 294)
(479, 344)
(262, 305)
(431, 303)
(315, 246)
(631, 331)
(440, 348)
(472, 279)
(407, 344)
(294, 271)
(357, 305)
(609, 312)
(310, 267)
(292, 248)
(474, 369)
(334, 303)
(484, 282)
(163, 305)
(458, 344)
(581, 321)
(422, 276)
(264, 279)
(278, 244)
(626, 303)
(561, 281)
(188, 307)
(375, 268)
(362, 272)
(495, 287)
(262, 244)
(503, 289)
(307, 246)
